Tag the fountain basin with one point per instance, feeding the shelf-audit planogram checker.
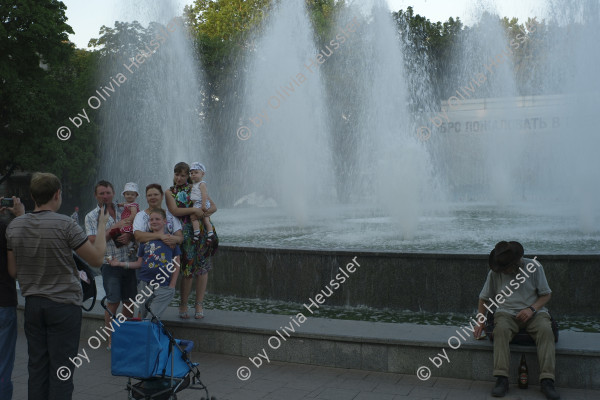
(430, 282)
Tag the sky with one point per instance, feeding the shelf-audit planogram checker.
(87, 16)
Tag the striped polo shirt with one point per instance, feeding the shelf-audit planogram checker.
(43, 244)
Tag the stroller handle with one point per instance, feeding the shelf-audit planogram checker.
(186, 346)
(103, 304)
(147, 306)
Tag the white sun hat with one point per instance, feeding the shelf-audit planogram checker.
(130, 187)
(197, 165)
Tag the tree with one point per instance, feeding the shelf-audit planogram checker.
(41, 75)
(227, 20)
(323, 14)
(428, 46)
(124, 38)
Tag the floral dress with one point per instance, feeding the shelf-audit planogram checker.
(193, 259)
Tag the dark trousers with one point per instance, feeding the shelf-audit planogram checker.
(8, 340)
(52, 331)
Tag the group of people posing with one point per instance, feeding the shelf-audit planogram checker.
(120, 238)
(154, 238)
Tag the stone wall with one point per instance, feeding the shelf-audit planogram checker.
(416, 282)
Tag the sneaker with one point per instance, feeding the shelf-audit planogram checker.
(501, 387)
(549, 390)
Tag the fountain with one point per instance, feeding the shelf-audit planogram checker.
(154, 121)
(333, 151)
(288, 155)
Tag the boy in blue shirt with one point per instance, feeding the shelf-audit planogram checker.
(159, 265)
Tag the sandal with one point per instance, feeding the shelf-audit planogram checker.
(183, 314)
(199, 314)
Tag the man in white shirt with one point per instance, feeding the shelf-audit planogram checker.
(119, 284)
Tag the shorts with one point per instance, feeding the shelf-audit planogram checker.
(120, 284)
(198, 204)
(158, 299)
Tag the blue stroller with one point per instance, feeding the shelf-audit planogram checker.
(146, 351)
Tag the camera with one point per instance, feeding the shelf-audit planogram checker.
(7, 202)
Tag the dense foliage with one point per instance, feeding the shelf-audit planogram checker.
(43, 79)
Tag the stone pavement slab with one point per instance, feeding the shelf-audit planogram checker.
(284, 381)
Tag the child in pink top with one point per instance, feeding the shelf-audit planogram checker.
(130, 209)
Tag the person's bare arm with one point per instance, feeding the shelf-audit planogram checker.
(129, 220)
(204, 196)
(542, 301)
(129, 264)
(480, 309)
(172, 206)
(92, 238)
(17, 209)
(12, 263)
(119, 224)
(143, 237)
(212, 209)
(175, 273)
(93, 251)
(526, 313)
(124, 238)
(174, 239)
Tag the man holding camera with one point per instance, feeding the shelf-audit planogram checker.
(40, 249)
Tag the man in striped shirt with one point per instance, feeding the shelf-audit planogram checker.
(40, 249)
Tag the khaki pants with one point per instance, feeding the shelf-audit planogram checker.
(540, 329)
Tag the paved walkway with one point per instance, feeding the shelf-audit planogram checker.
(284, 381)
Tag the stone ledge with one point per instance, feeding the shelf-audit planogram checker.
(394, 254)
(374, 346)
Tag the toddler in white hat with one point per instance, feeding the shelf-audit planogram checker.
(199, 195)
(130, 209)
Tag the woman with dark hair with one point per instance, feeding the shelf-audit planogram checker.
(195, 258)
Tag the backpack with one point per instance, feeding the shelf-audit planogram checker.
(88, 287)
